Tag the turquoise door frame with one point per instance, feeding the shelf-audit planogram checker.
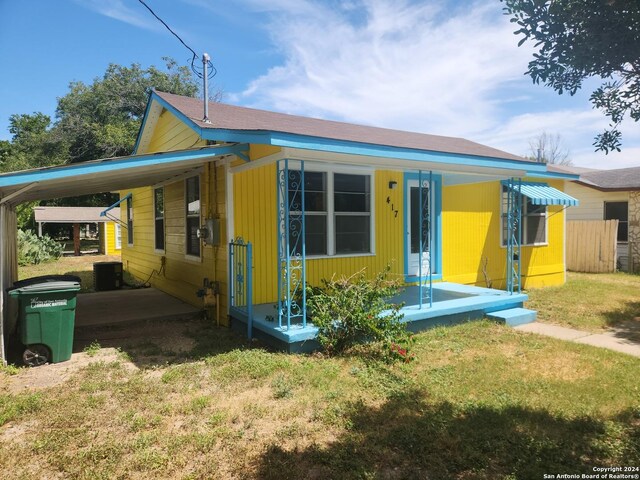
(436, 233)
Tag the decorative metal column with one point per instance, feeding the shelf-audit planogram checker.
(514, 234)
(425, 289)
(291, 245)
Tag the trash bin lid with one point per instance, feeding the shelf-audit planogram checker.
(47, 282)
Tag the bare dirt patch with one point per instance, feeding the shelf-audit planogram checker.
(51, 375)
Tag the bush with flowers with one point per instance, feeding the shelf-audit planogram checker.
(349, 311)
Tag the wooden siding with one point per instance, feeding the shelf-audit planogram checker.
(591, 205)
(471, 227)
(110, 244)
(471, 232)
(183, 275)
(254, 198)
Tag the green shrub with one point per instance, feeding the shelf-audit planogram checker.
(352, 310)
(33, 249)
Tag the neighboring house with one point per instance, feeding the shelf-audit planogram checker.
(108, 227)
(362, 204)
(610, 195)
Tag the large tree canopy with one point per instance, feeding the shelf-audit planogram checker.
(580, 39)
(92, 121)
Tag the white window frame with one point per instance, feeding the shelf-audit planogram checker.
(523, 227)
(118, 235)
(130, 217)
(155, 225)
(190, 256)
(330, 170)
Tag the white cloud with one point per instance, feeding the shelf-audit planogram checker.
(117, 10)
(395, 64)
(422, 66)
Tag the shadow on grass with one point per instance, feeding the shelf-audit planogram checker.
(409, 438)
(162, 342)
(625, 321)
(86, 279)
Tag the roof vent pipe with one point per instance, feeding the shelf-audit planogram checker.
(205, 79)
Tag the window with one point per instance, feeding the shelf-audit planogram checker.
(534, 221)
(618, 211)
(337, 212)
(158, 209)
(352, 203)
(130, 221)
(315, 206)
(118, 232)
(192, 211)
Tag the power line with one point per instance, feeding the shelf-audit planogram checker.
(212, 72)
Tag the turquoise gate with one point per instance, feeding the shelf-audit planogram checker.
(241, 282)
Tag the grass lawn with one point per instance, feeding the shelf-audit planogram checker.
(482, 401)
(81, 266)
(591, 302)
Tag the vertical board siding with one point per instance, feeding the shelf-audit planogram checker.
(110, 235)
(254, 197)
(183, 276)
(591, 245)
(471, 225)
(471, 232)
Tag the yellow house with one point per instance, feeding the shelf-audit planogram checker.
(283, 200)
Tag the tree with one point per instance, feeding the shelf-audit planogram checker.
(581, 39)
(102, 119)
(549, 148)
(96, 120)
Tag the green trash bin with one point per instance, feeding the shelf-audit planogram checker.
(46, 317)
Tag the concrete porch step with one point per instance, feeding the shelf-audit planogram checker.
(514, 316)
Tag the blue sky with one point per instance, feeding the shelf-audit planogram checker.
(450, 68)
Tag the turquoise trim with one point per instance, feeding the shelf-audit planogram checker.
(436, 234)
(143, 125)
(283, 139)
(110, 165)
(543, 194)
(104, 212)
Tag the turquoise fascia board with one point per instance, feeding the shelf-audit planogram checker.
(108, 165)
(144, 123)
(436, 236)
(305, 142)
(543, 194)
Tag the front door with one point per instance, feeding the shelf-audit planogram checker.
(416, 234)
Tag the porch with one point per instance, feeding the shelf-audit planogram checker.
(452, 303)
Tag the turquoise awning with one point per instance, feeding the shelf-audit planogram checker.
(543, 194)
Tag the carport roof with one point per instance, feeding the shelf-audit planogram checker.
(109, 174)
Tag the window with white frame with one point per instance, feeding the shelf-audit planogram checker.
(158, 214)
(129, 221)
(534, 221)
(192, 213)
(118, 233)
(337, 212)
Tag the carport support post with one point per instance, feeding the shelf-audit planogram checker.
(76, 239)
(3, 235)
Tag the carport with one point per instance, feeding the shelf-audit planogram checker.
(104, 175)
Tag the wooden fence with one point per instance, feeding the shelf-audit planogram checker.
(592, 245)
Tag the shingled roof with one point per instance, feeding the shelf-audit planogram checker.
(618, 179)
(230, 117)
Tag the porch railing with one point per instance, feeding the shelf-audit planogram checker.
(241, 282)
